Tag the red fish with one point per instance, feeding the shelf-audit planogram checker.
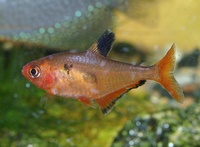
(90, 76)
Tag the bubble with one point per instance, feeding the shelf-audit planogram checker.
(98, 4)
(67, 18)
(15, 95)
(170, 144)
(166, 126)
(131, 143)
(159, 131)
(29, 145)
(138, 123)
(77, 13)
(41, 112)
(68, 139)
(50, 30)
(90, 8)
(28, 85)
(66, 24)
(84, 27)
(22, 34)
(35, 115)
(41, 30)
(57, 25)
(131, 132)
(140, 134)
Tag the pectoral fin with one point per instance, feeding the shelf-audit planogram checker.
(86, 101)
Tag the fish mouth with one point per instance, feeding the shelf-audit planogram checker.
(24, 70)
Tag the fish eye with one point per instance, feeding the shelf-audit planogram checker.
(34, 71)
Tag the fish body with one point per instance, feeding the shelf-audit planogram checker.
(90, 76)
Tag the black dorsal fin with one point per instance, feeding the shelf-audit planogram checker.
(104, 44)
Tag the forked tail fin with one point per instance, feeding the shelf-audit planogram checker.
(166, 78)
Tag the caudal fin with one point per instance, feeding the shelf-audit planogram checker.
(166, 78)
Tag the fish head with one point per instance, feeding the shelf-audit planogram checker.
(39, 73)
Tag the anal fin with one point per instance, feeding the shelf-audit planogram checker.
(107, 102)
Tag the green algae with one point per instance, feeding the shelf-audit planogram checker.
(172, 127)
(30, 117)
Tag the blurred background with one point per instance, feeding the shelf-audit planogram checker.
(144, 29)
